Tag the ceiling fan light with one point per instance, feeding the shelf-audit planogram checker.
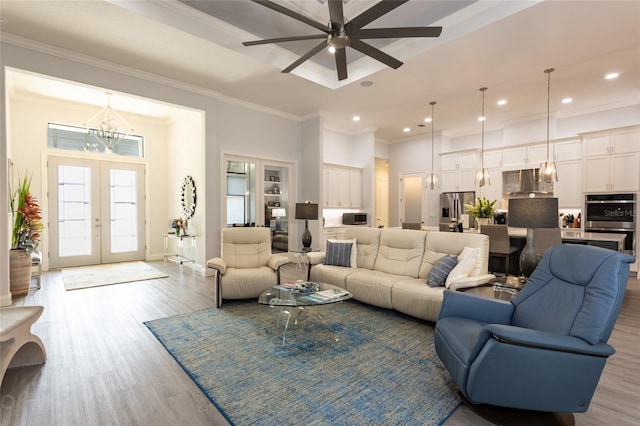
(338, 42)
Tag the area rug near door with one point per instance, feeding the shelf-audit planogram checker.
(107, 274)
(383, 370)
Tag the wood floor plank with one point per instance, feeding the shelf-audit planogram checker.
(105, 367)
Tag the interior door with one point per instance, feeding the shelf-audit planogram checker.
(411, 202)
(96, 212)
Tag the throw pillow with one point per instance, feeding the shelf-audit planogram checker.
(338, 253)
(440, 270)
(354, 250)
(467, 260)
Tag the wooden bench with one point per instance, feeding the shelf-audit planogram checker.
(18, 346)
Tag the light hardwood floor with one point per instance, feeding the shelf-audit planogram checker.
(105, 367)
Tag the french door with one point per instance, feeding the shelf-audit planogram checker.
(96, 210)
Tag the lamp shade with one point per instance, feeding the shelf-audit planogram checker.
(307, 211)
(279, 212)
(533, 212)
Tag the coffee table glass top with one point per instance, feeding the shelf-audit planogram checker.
(303, 293)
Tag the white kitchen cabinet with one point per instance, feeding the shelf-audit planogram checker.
(459, 180)
(609, 142)
(568, 189)
(330, 233)
(611, 160)
(567, 150)
(492, 159)
(342, 187)
(525, 157)
(458, 171)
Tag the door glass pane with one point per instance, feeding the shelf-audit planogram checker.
(124, 210)
(413, 199)
(74, 210)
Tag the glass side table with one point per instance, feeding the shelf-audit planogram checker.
(179, 256)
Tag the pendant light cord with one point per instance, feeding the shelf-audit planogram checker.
(548, 71)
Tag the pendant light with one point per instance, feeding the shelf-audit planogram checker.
(482, 177)
(548, 172)
(107, 128)
(432, 178)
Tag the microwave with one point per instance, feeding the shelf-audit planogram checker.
(354, 218)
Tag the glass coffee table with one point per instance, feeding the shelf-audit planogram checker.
(295, 300)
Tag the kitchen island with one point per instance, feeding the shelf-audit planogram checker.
(576, 236)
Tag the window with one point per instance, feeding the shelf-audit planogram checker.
(71, 138)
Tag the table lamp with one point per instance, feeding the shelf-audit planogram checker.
(532, 213)
(279, 213)
(306, 211)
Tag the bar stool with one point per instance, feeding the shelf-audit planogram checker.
(499, 244)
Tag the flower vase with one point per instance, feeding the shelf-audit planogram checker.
(483, 221)
(19, 271)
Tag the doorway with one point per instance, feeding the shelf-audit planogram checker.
(97, 211)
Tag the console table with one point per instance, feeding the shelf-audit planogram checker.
(179, 257)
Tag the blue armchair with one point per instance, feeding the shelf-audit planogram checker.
(546, 348)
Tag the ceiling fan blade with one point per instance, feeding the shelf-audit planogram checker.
(284, 39)
(341, 63)
(336, 14)
(373, 13)
(375, 53)
(295, 15)
(306, 56)
(397, 32)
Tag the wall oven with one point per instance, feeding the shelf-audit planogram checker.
(613, 214)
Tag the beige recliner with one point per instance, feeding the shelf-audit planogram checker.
(247, 268)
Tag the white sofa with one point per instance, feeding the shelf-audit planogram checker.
(392, 267)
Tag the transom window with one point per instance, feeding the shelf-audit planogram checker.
(72, 138)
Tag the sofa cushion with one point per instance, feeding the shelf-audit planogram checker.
(334, 275)
(367, 243)
(400, 252)
(372, 287)
(454, 243)
(338, 253)
(440, 271)
(410, 296)
(467, 261)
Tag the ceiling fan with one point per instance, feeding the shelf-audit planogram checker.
(339, 34)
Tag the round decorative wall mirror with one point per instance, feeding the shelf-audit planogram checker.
(188, 197)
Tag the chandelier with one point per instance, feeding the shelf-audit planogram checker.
(105, 128)
(482, 177)
(432, 178)
(548, 172)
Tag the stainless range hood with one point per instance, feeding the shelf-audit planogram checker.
(524, 182)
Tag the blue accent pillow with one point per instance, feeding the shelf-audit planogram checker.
(440, 271)
(338, 253)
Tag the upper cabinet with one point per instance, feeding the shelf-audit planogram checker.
(525, 157)
(342, 187)
(611, 160)
(458, 171)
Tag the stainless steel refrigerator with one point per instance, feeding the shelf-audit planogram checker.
(452, 208)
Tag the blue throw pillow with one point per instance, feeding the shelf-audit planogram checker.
(338, 253)
(440, 271)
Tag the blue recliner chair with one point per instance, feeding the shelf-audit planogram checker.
(546, 348)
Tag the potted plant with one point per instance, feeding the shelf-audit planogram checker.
(25, 235)
(483, 210)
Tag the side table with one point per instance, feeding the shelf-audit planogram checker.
(503, 288)
(179, 257)
(300, 256)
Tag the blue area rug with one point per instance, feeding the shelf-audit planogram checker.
(383, 369)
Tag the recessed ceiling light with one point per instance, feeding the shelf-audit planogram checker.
(612, 76)
(356, 118)
(406, 129)
(567, 100)
(366, 83)
(481, 118)
(428, 120)
(502, 102)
